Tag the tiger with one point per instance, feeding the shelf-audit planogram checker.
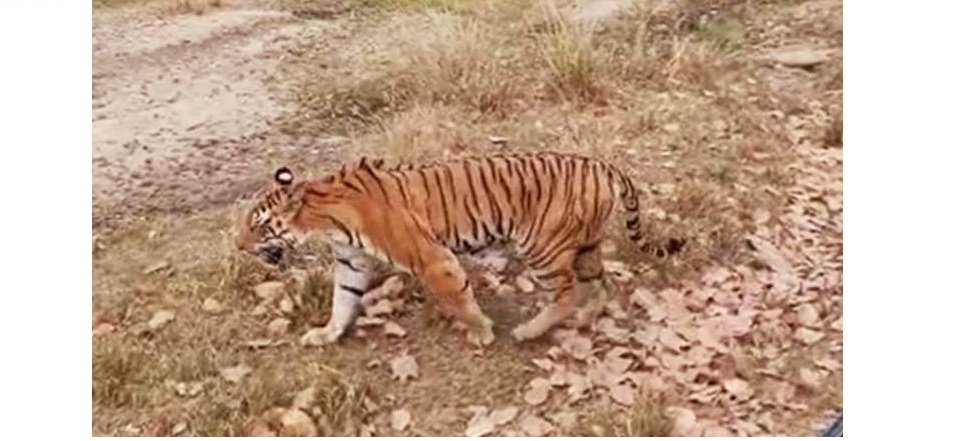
(550, 208)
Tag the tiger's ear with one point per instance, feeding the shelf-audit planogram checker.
(283, 177)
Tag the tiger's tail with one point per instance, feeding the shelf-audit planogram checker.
(629, 198)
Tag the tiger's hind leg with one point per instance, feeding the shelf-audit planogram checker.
(592, 285)
(558, 276)
(453, 292)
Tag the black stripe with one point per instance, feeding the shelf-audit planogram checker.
(445, 207)
(351, 185)
(473, 216)
(399, 183)
(385, 194)
(341, 226)
(349, 264)
(355, 291)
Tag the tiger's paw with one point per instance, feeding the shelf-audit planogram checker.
(527, 331)
(319, 337)
(483, 336)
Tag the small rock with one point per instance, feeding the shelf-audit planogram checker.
(103, 328)
(278, 326)
(160, 319)
(524, 284)
(156, 267)
(212, 306)
(504, 290)
(235, 374)
(179, 428)
(393, 329)
(801, 58)
(269, 291)
(286, 305)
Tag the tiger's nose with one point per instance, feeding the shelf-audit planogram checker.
(271, 254)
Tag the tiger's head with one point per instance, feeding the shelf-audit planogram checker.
(264, 230)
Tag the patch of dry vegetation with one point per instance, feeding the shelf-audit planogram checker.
(163, 7)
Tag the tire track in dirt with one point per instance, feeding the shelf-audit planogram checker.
(183, 108)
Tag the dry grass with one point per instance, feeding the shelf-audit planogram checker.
(647, 418)
(164, 7)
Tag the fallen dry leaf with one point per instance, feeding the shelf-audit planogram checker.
(269, 291)
(578, 386)
(838, 325)
(212, 306)
(404, 367)
(808, 336)
(683, 421)
(538, 391)
(236, 373)
(480, 424)
(737, 388)
(770, 255)
(807, 315)
(504, 416)
(364, 321)
(828, 364)
(160, 319)
(535, 426)
(543, 364)
(578, 346)
(810, 378)
(259, 343)
(617, 359)
(401, 419)
(393, 329)
(297, 423)
(623, 394)
(671, 340)
(278, 326)
(607, 327)
(646, 335)
(286, 305)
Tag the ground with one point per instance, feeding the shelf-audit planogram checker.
(728, 116)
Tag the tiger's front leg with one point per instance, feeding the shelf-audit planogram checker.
(355, 275)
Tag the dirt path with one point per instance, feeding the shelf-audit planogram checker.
(185, 103)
